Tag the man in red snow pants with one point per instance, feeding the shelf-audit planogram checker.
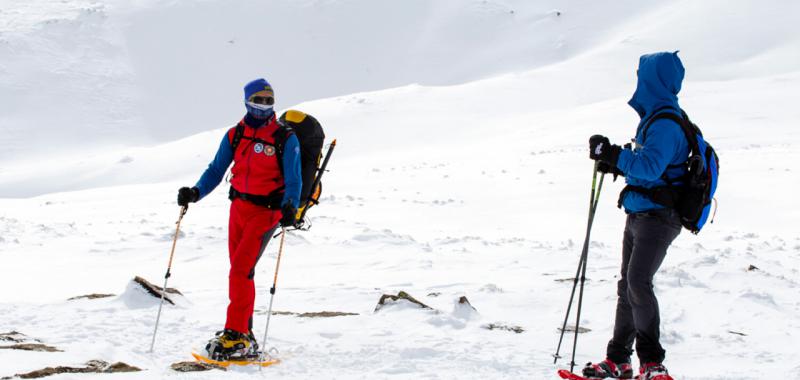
(265, 192)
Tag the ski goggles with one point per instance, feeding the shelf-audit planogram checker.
(262, 100)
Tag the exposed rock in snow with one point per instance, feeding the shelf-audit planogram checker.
(92, 366)
(31, 347)
(401, 298)
(571, 328)
(16, 337)
(141, 293)
(195, 367)
(91, 296)
(313, 314)
(504, 327)
(462, 309)
(324, 314)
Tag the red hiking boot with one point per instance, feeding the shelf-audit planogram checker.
(653, 371)
(608, 370)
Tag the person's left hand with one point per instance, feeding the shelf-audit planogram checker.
(289, 215)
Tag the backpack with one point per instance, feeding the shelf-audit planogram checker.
(692, 197)
(311, 138)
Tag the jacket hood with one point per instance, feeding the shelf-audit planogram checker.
(659, 80)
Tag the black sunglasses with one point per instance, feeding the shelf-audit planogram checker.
(267, 100)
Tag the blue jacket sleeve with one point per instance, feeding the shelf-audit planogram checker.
(216, 169)
(292, 177)
(664, 142)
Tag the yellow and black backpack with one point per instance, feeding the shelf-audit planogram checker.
(311, 137)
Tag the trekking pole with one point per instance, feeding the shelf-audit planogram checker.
(272, 291)
(581, 262)
(166, 276)
(585, 255)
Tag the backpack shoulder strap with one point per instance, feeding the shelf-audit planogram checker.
(690, 131)
(280, 136)
(658, 115)
(237, 137)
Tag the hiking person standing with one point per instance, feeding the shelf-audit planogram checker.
(656, 161)
(264, 193)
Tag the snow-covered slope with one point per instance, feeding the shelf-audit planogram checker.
(89, 86)
(476, 187)
(87, 73)
(80, 75)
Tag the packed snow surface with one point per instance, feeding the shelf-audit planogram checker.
(461, 170)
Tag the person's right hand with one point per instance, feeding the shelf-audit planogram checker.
(187, 195)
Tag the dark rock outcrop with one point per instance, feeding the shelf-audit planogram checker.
(195, 367)
(464, 301)
(91, 296)
(31, 347)
(156, 291)
(388, 299)
(92, 366)
(16, 337)
(312, 314)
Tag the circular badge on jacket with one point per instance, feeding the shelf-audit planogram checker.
(258, 148)
(269, 150)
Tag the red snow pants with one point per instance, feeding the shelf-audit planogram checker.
(249, 229)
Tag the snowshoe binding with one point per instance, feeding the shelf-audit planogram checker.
(653, 371)
(232, 345)
(607, 369)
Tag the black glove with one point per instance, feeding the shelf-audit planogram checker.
(187, 195)
(601, 149)
(289, 215)
(605, 167)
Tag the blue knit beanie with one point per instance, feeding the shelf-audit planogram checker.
(257, 85)
(258, 111)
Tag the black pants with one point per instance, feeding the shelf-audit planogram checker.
(644, 246)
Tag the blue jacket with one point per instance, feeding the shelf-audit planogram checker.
(665, 147)
(292, 177)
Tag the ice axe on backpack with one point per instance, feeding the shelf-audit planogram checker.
(316, 191)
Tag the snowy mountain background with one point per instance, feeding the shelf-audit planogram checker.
(460, 170)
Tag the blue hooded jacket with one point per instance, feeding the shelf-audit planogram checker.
(665, 147)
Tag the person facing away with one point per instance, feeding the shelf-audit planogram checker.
(264, 193)
(658, 157)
